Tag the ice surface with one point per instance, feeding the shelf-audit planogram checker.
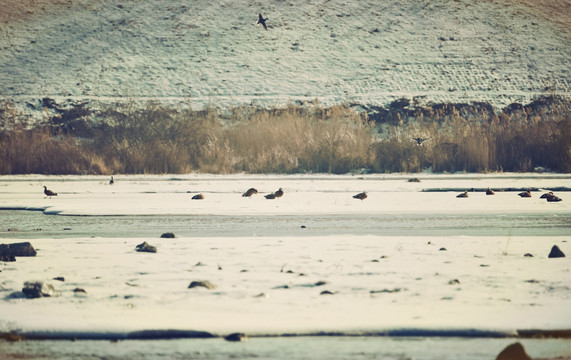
(271, 283)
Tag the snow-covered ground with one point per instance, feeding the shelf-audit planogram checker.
(272, 283)
(203, 52)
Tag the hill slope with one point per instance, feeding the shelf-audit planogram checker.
(368, 52)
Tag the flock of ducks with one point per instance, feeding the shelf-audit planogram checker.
(549, 196)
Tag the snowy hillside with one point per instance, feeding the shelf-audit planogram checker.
(368, 52)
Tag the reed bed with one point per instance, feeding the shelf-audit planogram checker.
(155, 138)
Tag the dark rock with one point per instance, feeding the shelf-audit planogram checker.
(556, 252)
(417, 180)
(320, 283)
(326, 292)
(168, 235)
(144, 247)
(18, 249)
(442, 249)
(236, 337)
(204, 284)
(528, 255)
(37, 289)
(7, 258)
(80, 291)
(514, 351)
(303, 227)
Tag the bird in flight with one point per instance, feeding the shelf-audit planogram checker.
(419, 140)
(262, 21)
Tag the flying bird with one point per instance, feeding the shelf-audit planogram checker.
(48, 192)
(250, 192)
(262, 21)
(419, 140)
(361, 196)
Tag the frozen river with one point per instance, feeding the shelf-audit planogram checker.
(410, 272)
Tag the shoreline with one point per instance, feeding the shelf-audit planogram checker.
(171, 334)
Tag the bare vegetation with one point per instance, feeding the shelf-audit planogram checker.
(126, 138)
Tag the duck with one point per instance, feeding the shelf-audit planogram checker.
(463, 195)
(48, 192)
(553, 198)
(262, 21)
(111, 182)
(490, 192)
(361, 196)
(279, 193)
(546, 195)
(250, 192)
(198, 197)
(525, 194)
(270, 196)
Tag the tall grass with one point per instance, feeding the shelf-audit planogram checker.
(334, 140)
(39, 151)
(155, 138)
(475, 139)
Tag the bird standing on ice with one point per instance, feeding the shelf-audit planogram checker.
(48, 192)
(250, 192)
(262, 21)
(279, 193)
(361, 196)
(463, 195)
(111, 182)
